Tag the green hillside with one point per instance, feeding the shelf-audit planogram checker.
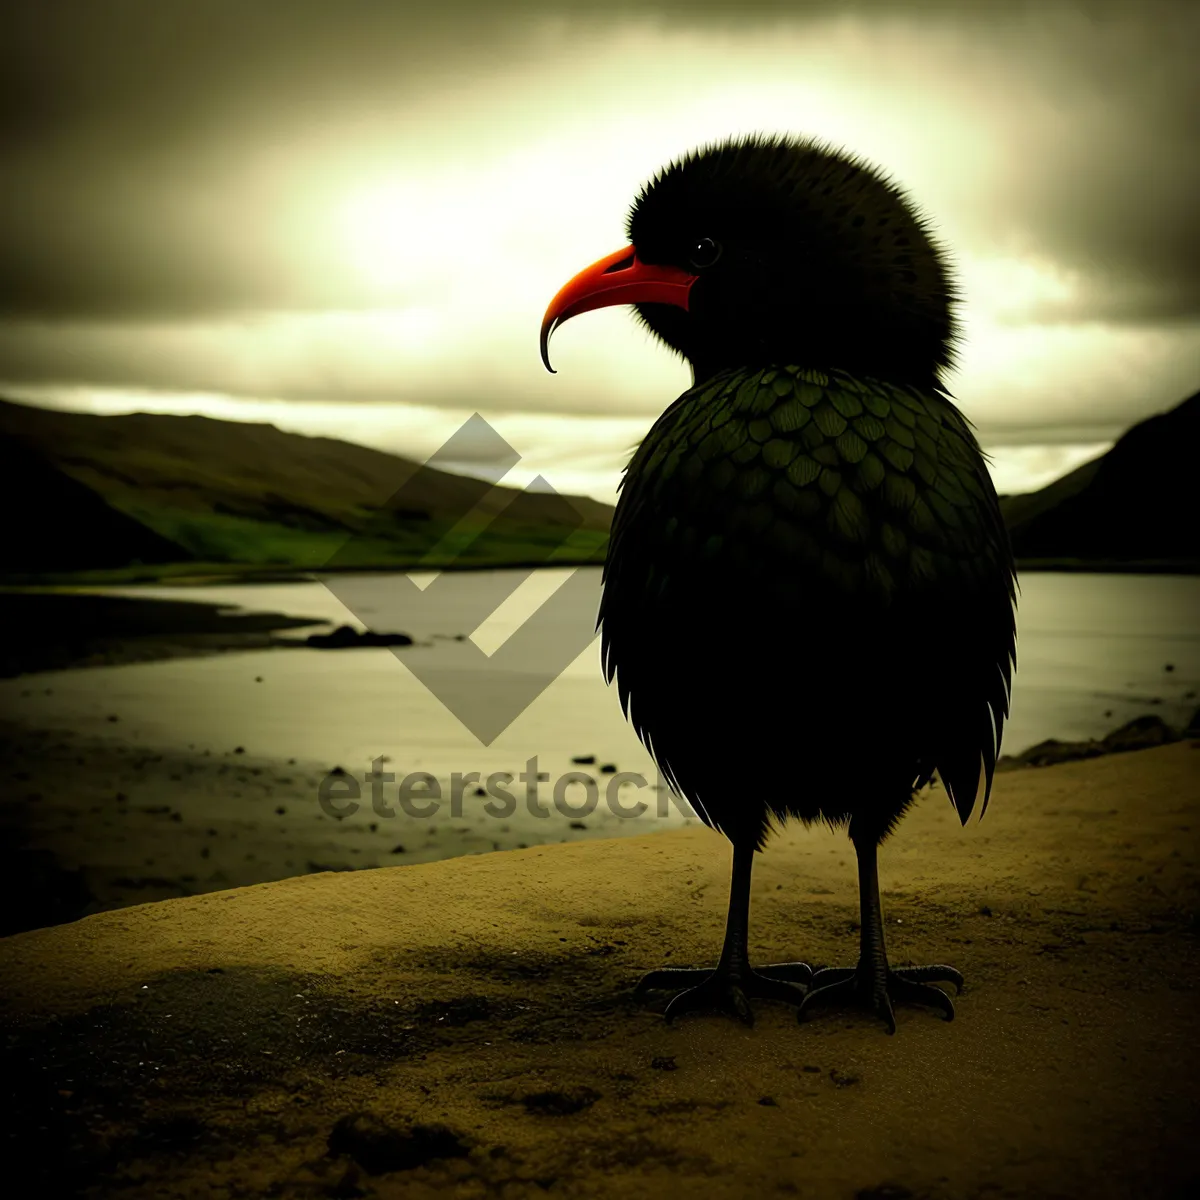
(146, 496)
(183, 495)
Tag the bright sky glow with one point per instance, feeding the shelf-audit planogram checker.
(439, 230)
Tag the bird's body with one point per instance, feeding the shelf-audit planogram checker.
(808, 578)
(808, 602)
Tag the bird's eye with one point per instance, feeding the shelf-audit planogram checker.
(704, 253)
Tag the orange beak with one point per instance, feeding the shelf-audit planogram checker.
(620, 278)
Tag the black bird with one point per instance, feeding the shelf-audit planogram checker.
(809, 597)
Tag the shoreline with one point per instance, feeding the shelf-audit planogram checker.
(90, 824)
(58, 630)
(56, 627)
(205, 574)
(95, 822)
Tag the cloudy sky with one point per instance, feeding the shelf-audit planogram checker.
(348, 218)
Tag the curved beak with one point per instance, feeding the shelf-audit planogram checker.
(621, 278)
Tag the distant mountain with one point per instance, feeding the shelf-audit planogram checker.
(1134, 506)
(100, 491)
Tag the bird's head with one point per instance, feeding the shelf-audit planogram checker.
(770, 250)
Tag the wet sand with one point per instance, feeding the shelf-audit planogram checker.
(92, 823)
(478, 1012)
(89, 823)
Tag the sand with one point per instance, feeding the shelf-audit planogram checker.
(91, 823)
(466, 1028)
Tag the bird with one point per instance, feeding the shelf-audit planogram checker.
(809, 596)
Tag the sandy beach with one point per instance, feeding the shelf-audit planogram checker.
(190, 753)
(104, 805)
(466, 1028)
(319, 1004)
(90, 823)
(94, 823)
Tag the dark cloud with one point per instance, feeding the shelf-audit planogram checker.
(134, 133)
(1106, 175)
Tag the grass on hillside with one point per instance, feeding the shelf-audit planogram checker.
(221, 545)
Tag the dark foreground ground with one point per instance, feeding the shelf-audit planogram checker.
(465, 1027)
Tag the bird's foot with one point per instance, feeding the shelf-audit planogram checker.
(728, 990)
(861, 987)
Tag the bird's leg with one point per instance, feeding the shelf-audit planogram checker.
(733, 983)
(873, 984)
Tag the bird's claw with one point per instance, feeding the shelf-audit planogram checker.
(856, 987)
(727, 991)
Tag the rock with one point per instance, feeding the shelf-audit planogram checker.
(347, 637)
(608, 769)
(1140, 734)
(584, 760)
(379, 1148)
(1051, 751)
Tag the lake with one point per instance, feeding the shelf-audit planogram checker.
(1094, 651)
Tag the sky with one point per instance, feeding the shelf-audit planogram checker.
(347, 219)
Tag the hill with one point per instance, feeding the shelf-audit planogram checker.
(1131, 508)
(146, 496)
(70, 527)
(159, 489)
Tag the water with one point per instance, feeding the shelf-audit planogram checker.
(1092, 653)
